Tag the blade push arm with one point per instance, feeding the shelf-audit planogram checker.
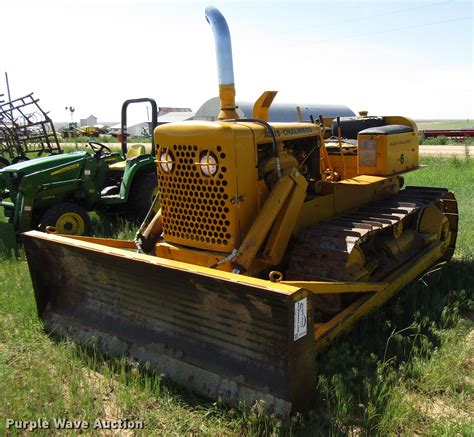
(276, 220)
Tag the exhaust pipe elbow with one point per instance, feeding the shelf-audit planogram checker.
(225, 67)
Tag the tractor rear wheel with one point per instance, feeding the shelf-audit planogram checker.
(142, 194)
(67, 218)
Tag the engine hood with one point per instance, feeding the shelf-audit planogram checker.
(34, 165)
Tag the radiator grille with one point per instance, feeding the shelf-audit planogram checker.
(196, 209)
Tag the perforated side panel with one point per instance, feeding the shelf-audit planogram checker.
(196, 209)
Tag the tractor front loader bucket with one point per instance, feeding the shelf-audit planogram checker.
(238, 340)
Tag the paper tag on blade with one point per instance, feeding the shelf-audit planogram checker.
(301, 320)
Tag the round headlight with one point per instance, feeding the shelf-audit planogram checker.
(166, 161)
(208, 163)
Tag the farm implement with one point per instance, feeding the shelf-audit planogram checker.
(25, 129)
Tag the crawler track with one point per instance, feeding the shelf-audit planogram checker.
(324, 249)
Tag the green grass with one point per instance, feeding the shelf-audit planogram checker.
(7, 237)
(457, 174)
(443, 141)
(445, 124)
(403, 370)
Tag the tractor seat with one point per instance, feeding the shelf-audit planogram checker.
(133, 152)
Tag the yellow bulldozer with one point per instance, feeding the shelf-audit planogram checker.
(271, 240)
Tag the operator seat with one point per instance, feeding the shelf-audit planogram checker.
(133, 152)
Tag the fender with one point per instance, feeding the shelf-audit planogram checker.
(142, 163)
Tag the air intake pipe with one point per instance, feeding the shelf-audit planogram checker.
(225, 67)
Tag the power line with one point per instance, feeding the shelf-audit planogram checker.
(352, 20)
(385, 31)
(387, 13)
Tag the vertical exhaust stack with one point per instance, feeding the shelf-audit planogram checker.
(225, 67)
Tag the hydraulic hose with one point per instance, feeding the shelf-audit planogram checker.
(271, 133)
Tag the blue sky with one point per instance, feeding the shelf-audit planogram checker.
(406, 57)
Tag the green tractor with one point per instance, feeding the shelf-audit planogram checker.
(58, 191)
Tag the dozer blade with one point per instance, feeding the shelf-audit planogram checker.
(233, 338)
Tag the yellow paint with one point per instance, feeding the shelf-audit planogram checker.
(323, 287)
(285, 222)
(314, 210)
(387, 154)
(338, 197)
(208, 212)
(263, 222)
(262, 193)
(227, 99)
(236, 214)
(65, 169)
(326, 165)
(70, 223)
(118, 166)
(189, 198)
(433, 221)
(350, 162)
(261, 107)
(123, 244)
(398, 229)
(327, 332)
(300, 115)
(287, 161)
(396, 246)
(341, 152)
(358, 191)
(355, 265)
(285, 131)
(198, 257)
(133, 257)
(132, 152)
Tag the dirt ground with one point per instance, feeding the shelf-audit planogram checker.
(458, 150)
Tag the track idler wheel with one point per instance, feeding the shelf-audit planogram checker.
(435, 225)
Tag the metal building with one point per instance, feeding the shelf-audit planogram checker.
(173, 116)
(278, 111)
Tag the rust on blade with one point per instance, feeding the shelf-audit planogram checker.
(222, 335)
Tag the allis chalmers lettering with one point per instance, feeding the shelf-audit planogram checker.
(290, 131)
